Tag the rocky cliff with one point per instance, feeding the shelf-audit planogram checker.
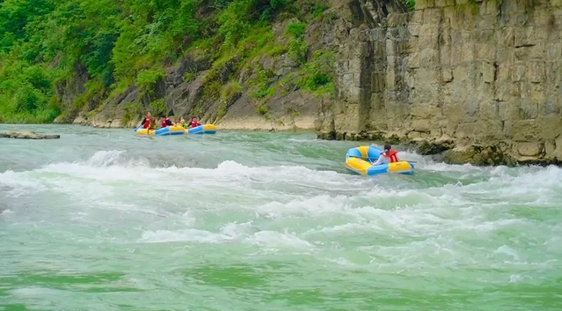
(479, 80)
(476, 81)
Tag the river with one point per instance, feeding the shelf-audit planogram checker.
(103, 220)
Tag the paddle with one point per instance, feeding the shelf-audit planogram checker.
(402, 160)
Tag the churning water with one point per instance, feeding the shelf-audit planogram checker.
(103, 220)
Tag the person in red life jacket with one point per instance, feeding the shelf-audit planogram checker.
(194, 122)
(146, 121)
(165, 121)
(389, 155)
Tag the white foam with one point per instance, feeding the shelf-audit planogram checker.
(276, 240)
(442, 167)
(398, 222)
(229, 232)
(185, 235)
(6, 212)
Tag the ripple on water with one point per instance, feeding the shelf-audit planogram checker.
(248, 221)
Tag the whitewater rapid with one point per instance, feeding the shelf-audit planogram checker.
(261, 198)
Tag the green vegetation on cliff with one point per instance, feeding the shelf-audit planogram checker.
(45, 45)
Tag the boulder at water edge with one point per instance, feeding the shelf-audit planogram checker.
(28, 135)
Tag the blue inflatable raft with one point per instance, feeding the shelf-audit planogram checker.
(360, 160)
(178, 130)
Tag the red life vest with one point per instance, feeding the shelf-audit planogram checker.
(194, 124)
(146, 123)
(392, 155)
(165, 122)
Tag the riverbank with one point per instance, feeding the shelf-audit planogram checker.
(462, 151)
(250, 123)
(443, 149)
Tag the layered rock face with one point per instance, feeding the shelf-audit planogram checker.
(481, 80)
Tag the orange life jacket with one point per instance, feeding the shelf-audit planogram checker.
(392, 155)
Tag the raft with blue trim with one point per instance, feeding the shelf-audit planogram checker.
(360, 160)
(178, 130)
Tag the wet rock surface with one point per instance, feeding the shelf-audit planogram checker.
(28, 135)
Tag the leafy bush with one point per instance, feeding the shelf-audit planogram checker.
(148, 77)
(317, 75)
(116, 44)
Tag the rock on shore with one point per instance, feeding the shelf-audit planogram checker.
(28, 135)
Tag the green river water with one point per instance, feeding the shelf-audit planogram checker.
(103, 220)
